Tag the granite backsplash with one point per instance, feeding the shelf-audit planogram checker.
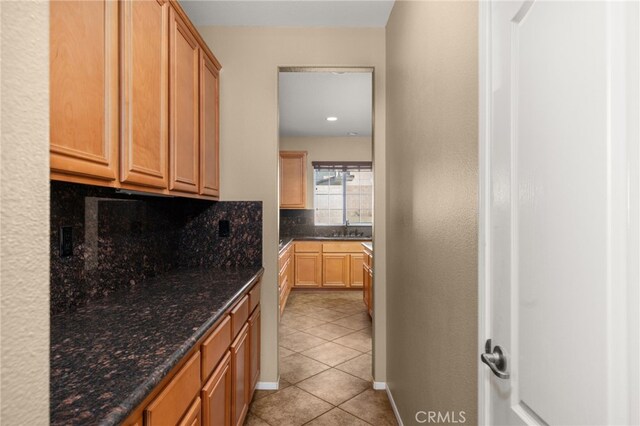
(300, 224)
(121, 239)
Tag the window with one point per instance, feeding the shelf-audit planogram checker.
(343, 192)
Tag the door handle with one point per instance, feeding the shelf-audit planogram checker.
(496, 359)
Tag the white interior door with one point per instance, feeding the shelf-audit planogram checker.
(559, 211)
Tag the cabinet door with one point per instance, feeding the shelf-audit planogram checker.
(357, 262)
(308, 269)
(240, 377)
(254, 348)
(366, 283)
(184, 117)
(84, 89)
(209, 127)
(335, 270)
(145, 87)
(193, 416)
(216, 395)
(370, 295)
(293, 180)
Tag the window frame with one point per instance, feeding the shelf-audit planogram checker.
(341, 166)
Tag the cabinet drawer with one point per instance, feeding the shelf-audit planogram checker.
(239, 315)
(254, 296)
(215, 346)
(175, 399)
(342, 247)
(308, 247)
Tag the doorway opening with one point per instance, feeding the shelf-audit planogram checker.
(326, 227)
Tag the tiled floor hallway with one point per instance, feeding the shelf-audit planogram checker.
(325, 366)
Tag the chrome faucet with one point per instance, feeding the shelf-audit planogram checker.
(345, 232)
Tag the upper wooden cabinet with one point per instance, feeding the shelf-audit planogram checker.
(134, 98)
(209, 127)
(184, 74)
(84, 89)
(145, 92)
(293, 179)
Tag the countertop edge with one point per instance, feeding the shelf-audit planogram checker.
(120, 412)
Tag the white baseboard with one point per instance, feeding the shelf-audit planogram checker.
(394, 407)
(267, 385)
(380, 385)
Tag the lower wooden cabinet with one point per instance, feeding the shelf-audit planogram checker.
(286, 277)
(254, 350)
(335, 270)
(215, 384)
(367, 278)
(335, 264)
(216, 395)
(240, 376)
(308, 269)
(356, 270)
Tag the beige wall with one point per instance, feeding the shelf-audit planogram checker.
(327, 149)
(249, 135)
(24, 213)
(432, 121)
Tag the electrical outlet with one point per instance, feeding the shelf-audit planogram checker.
(224, 228)
(66, 241)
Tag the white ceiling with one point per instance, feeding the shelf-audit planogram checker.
(289, 13)
(306, 99)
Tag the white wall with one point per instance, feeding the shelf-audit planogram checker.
(327, 149)
(24, 213)
(432, 165)
(250, 59)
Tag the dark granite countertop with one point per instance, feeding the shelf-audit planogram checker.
(368, 245)
(108, 356)
(286, 240)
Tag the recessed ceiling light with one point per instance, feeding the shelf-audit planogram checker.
(353, 133)
(332, 118)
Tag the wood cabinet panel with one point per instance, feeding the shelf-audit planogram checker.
(308, 269)
(216, 395)
(144, 85)
(240, 377)
(209, 127)
(172, 403)
(215, 346)
(254, 349)
(335, 270)
(193, 416)
(293, 179)
(184, 111)
(84, 88)
(357, 262)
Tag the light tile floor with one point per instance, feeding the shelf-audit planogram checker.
(325, 366)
